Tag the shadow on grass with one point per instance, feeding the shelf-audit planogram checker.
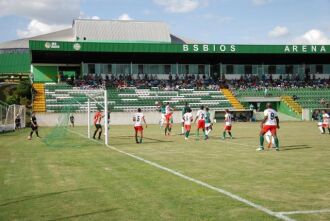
(85, 214)
(295, 147)
(32, 197)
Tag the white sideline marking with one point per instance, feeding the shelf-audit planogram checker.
(305, 212)
(201, 183)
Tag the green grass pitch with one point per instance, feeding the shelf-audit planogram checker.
(73, 178)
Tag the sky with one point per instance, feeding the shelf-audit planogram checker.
(207, 21)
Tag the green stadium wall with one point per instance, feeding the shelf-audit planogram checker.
(15, 63)
(45, 73)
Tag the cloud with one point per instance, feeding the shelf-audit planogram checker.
(124, 16)
(278, 31)
(36, 27)
(180, 6)
(45, 11)
(260, 2)
(83, 16)
(313, 36)
(44, 15)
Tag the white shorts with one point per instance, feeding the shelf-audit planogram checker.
(319, 124)
(208, 124)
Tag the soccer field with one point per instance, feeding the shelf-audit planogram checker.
(166, 178)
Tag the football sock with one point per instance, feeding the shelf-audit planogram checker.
(329, 130)
(224, 134)
(37, 133)
(182, 130)
(276, 142)
(31, 133)
(197, 134)
(166, 128)
(262, 140)
(204, 134)
(321, 129)
(230, 134)
(169, 129)
(100, 133)
(94, 134)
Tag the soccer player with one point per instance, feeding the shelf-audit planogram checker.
(201, 114)
(187, 119)
(228, 125)
(168, 117)
(208, 123)
(270, 139)
(138, 118)
(17, 122)
(325, 123)
(34, 126)
(184, 110)
(320, 122)
(97, 122)
(162, 111)
(71, 120)
(269, 123)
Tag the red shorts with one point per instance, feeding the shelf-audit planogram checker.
(187, 127)
(168, 117)
(138, 128)
(325, 125)
(201, 124)
(227, 127)
(271, 128)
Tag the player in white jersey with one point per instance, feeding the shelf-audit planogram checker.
(325, 121)
(228, 124)
(187, 120)
(201, 115)
(269, 123)
(138, 119)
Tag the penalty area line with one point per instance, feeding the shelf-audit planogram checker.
(305, 212)
(201, 183)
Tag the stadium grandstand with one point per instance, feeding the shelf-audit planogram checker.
(141, 63)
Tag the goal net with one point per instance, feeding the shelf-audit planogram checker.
(12, 117)
(86, 103)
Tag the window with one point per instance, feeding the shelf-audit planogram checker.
(271, 69)
(289, 69)
(229, 69)
(201, 69)
(91, 68)
(319, 69)
(167, 68)
(248, 69)
(140, 68)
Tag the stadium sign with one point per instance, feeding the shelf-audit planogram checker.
(50, 45)
(305, 49)
(208, 48)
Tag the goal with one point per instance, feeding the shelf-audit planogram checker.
(12, 117)
(85, 104)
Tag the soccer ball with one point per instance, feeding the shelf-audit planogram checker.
(29, 138)
(156, 103)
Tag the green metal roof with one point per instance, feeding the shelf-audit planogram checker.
(176, 48)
